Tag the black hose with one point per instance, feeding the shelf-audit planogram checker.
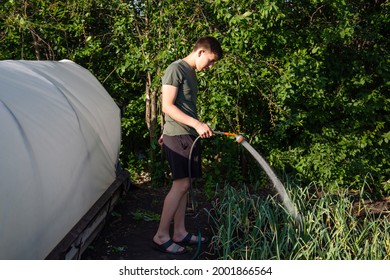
(192, 196)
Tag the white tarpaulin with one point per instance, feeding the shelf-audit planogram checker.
(59, 146)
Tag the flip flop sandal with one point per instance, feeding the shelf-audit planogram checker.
(164, 248)
(187, 240)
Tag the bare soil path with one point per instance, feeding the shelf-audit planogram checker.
(127, 234)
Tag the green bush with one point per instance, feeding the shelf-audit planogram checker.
(307, 81)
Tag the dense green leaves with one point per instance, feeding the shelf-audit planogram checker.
(306, 81)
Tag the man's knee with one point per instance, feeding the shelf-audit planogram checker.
(182, 184)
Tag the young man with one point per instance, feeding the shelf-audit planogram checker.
(182, 126)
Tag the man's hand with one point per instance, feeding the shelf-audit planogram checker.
(161, 140)
(203, 130)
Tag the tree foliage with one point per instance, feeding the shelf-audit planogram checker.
(307, 81)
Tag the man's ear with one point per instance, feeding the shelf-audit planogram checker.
(199, 52)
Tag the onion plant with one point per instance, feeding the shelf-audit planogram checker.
(252, 226)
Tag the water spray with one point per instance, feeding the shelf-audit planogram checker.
(270, 173)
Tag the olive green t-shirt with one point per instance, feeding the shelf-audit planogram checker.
(181, 75)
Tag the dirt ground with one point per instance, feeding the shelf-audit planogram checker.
(128, 233)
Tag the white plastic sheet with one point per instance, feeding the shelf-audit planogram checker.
(59, 146)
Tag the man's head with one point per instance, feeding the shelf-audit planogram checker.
(210, 44)
(208, 51)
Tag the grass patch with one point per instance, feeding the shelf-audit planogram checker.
(145, 215)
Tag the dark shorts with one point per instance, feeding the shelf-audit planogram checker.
(177, 150)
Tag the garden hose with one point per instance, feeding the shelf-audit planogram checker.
(192, 196)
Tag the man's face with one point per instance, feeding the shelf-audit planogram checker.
(205, 60)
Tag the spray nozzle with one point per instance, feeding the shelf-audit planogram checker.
(239, 138)
(225, 133)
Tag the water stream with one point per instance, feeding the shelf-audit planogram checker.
(275, 180)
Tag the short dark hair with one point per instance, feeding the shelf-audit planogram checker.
(211, 44)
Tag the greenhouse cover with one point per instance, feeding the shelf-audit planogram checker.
(60, 138)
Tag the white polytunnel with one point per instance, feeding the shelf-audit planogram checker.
(60, 136)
